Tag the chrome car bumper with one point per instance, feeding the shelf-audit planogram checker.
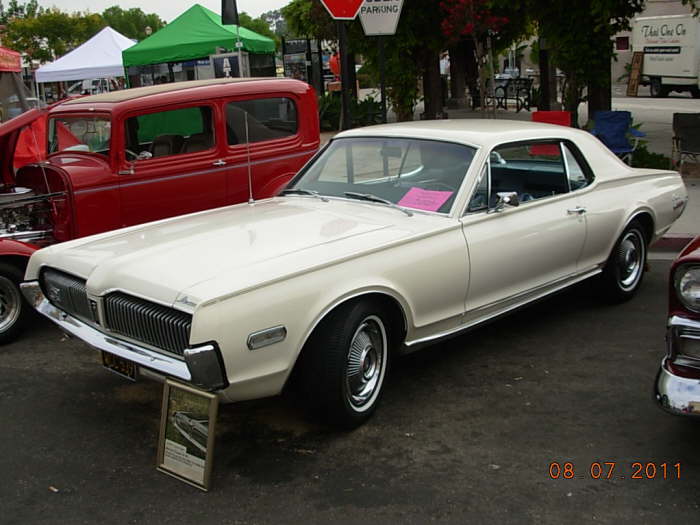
(202, 365)
(675, 394)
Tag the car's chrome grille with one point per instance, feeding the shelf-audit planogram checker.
(67, 293)
(150, 323)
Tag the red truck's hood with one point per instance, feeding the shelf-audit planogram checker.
(9, 135)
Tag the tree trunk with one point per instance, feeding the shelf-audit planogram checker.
(352, 75)
(472, 69)
(545, 100)
(599, 93)
(572, 97)
(458, 76)
(432, 92)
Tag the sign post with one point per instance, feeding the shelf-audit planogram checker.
(342, 10)
(380, 18)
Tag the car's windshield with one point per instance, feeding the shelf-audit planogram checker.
(411, 173)
(80, 133)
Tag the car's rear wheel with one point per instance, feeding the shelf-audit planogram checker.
(344, 364)
(13, 308)
(624, 270)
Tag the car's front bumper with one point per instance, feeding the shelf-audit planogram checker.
(674, 393)
(202, 365)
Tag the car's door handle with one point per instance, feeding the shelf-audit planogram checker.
(219, 163)
(578, 210)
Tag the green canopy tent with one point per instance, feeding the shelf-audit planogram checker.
(196, 33)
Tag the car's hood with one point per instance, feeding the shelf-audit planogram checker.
(9, 132)
(250, 245)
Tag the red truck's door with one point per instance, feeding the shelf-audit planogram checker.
(171, 164)
(267, 129)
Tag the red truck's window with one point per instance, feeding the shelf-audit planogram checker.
(173, 132)
(268, 119)
(87, 134)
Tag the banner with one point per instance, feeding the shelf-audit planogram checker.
(10, 60)
(229, 12)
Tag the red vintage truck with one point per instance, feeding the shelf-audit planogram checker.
(143, 154)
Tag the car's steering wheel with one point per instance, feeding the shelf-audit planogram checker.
(129, 152)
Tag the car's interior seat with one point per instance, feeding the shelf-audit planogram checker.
(197, 142)
(167, 145)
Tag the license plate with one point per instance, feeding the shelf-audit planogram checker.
(119, 365)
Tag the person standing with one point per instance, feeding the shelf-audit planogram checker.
(444, 75)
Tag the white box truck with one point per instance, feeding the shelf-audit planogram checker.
(671, 47)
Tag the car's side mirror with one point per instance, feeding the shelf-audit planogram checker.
(506, 198)
(144, 155)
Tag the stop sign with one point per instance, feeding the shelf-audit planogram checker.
(343, 9)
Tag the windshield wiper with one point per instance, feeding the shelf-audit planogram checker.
(373, 198)
(300, 191)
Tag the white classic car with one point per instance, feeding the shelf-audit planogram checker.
(391, 237)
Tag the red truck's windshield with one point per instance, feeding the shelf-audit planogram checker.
(90, 134)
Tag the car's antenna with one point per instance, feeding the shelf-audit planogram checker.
(247, 149)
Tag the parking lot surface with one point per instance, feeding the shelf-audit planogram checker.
(466, 432)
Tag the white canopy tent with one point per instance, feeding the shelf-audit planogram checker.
(99, 57)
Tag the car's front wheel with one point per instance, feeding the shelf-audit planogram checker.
(344, 364)
(624, 270)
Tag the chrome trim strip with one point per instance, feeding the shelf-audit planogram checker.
(682, 322)
(417, 343)
(677, 395)
(139, 355)
(191, 174)
(679, 328)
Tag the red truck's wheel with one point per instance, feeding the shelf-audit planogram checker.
(13, 307)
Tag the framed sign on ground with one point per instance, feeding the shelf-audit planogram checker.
(635, 73)
(187, 430)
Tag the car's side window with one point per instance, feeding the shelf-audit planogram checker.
(579, 175)
(268, 119)
(533, 169)
(173, 132)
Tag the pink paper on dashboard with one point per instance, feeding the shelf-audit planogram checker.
(429, 200)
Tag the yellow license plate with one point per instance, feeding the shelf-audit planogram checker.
(119, 365)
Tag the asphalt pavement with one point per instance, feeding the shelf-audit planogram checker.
(466, 433)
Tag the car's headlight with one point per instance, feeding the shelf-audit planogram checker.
(687, 282)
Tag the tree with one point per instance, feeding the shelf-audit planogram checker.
(51, 33)
(133, 22)
(579, 34)
(276, 22)
(259, 25)
(474, 19)
(16, 10)
(308, 18)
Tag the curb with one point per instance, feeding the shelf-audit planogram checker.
(672, 242)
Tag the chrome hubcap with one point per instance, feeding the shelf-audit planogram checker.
(630, 257)
(10, 302)
(366, 363)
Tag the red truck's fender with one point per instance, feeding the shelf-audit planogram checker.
(16, 248)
